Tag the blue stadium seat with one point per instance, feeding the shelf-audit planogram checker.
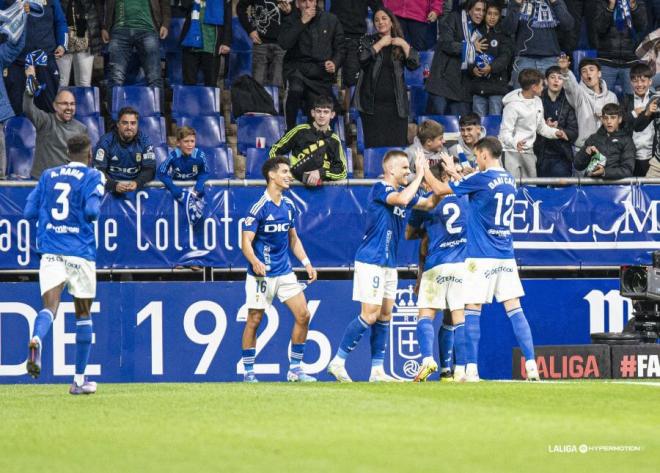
(240, 40)
(144, 99)
(171, 42)
(155, 129)
(254, 159)
(580, 54)
(220, 162)
(240, 63)
(19, 162)
(373, 161)
(370, 24)
(194, 100)
(492, 124)
(19, 133)
(450, 122)
(349, 162)
(360, 134)
(87, 100)
(210, 129)
(418, 99)
(250, 127)
(95, 127)
(416, 77)
(161, 152)
(274, 92)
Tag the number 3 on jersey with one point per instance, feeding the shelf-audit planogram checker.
(63, 200)
(504, 209)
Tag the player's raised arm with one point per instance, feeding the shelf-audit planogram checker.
(404, 197)
(31, 210)
(299, 252)
(248, 251)
(438, 187)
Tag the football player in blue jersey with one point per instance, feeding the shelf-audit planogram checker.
(375, 278)
(491, 268)
(269, 231)
(66, 200)
(441, 285)
(126, 155)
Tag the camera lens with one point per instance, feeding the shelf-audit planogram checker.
(635, 280)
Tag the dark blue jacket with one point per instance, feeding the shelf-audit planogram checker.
(8, 54)
(120, 161)
(45, 32)
(184, 168)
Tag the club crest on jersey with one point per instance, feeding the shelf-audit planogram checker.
(404, 348)
(472, 266)
(194, 170)
(100, 154)
(138, 157)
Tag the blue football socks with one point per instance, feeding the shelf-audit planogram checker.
(42, 324)
(84, 332)
(425, 336)
(472, 334)
(248, 359)
(379, 334)
(297, 350)
(446, 343)
(522, 331)
(352, 336)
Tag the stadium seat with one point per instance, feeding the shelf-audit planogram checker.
(240, 40)
(360, 134)
(580, 54)
(450, 122)
(274, 92)
(161, 152)
(155, 129)
(418, 76)
(254, 159)
(210, 129)
(144, 99)
(87, 100)
(251, 127)
(492, 124)
(373, 161)
(95, 127)
(19, 133)
(418, 99)
(349, 162)
(195, 100)
(240, 63)
(19, 162)
(171, 43)
(220, 162)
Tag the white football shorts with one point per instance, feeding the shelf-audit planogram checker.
(488, 277)
(373, 283)
(442, 287)
(260, 291)
(78, 273)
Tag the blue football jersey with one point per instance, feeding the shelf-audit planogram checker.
(60, 197)
(446, 227)
(271, 224)
(385, 224)
(124, 161)
(492, 194)
(419, 217)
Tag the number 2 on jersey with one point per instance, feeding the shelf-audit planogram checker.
(504, 209)
(63, 200)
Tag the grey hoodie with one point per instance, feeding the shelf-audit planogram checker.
(587, 104)
(429, 155)
(461, 147)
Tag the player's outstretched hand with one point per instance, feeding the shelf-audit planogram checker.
(259, 268)
(311, 273)
(420, 163)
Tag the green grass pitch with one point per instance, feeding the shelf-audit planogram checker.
(273, 427)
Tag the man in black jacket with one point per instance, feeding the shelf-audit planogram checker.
(314, 44)
(651, 116)
(555, 157)
(610, 152)
(634, 105)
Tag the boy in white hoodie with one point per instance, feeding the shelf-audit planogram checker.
(521, 121)
(588, 97)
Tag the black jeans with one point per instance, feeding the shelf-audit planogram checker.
(194, 62)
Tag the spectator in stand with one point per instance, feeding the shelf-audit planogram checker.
(262, 19)
(651, 116)
(568, 40)
(185, 163)
(84, 41)
(430, 140)
(314, 44)
(471, 131)
(53, 129)
(418, 20)
(588, 97)
(459, 43)
(536, 25)
(125, 155)
(9, 51)
(317, 153)
(633, 106)
(48, 33)
(352, 15)
(381, 96)
(490, 74)
(129, 24)
(615, 24)
(555, 157)
(205, 36)
(610, 152)
(521, 121)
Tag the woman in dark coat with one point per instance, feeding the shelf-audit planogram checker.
(448, 84)
(381, 96)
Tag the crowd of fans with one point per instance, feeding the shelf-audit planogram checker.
(489, 58)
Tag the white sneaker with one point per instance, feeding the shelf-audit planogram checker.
(459, 374)
(532, 371)
(428, 367)
(472, 373)
(378, 375)
(338, 370)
